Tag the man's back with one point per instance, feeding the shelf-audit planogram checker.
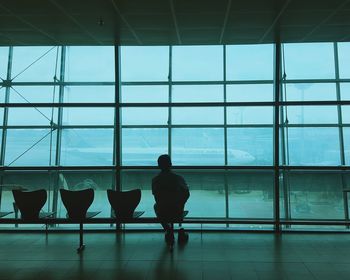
(170, 191)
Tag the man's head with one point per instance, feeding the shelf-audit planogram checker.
(164, 162)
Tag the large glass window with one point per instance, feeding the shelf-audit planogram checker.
(210, 107)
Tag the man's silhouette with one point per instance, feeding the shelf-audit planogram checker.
(171, 193)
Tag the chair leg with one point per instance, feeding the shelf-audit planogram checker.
(171, 245)
(81, 239)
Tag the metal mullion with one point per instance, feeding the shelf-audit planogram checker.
(28, 127)
(118, 122)
(87, 126)
(277, 75)
(170, 88)
(202, 126)
(59, 127)
(58, 105)
(341, 132)
(238, 82)
(5, 120)
(227, 212)
(61, 83)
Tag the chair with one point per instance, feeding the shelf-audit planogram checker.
(77, 203)
(125, 203)
(30, 203)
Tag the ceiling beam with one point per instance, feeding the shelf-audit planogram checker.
(227, 14)
(117, 10)
(324, 21)
(32, 26)
(173, 14)
(73, 19)
(275, 21)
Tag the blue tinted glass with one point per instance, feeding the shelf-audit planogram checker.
(145, 94)
(87, 94)
(249, 93)
(344, 59)
(144, 64)
(250, 115)
(90, 64)
(35, 64)
(347, 145)
(87, 147)
(197, 146)
(309, 92)
(88, 116)
(309, 61)
(32, 116)
(250, 146)
(198, 115)
(345, 91)
(142, 146)
(4, 53)
(313, 146)
(312, 114)
(30, 147)
(34, 94)
(197, 63)
(346, 114)
(197, 93)
(249, 62)
(144, 116)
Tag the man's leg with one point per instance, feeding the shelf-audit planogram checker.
(166, 226)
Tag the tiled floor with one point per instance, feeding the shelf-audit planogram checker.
(145, 256)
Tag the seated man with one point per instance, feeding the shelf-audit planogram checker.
(171, 193)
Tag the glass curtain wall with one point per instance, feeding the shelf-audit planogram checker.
(210, 107)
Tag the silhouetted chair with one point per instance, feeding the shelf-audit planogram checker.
(3, 214)
(30, 204)
(125, 203)
(77, 203)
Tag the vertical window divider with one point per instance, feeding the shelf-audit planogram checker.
(227, 212)
(5, 120)
(277, 75)
(170, 87)
(341, 131)
(117, 149)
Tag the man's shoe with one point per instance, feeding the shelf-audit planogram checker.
(182, 236)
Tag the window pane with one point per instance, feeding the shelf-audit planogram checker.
(141, 179)
(344, 60)
(144, 64)
(198, 93)
(207, 193)
(30, 180)
(143, 146)
(90, 64)
(346, 114)
(145, 94)
(31, 116)
(312, 114)
(249, 93)
(250, 194)
(30, 147)
(310, 92)
(315, 195)
(198, 115)
(144, 116)
(345, 91)
(87, 147)
(309, 61)
(99, 181)
(313, 146)
(250, 146)
(4, 53)
(198, 146)
(346, 131)
(249, 62)
(88, 116)
(197, 63)
(249, 115)
(89, 94)
(42, 69)
(34, 94)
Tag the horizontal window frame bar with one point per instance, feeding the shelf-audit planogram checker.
(177, 104)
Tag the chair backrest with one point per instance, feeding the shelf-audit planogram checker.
(77, 202)
(124, 203)
(30, 203)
